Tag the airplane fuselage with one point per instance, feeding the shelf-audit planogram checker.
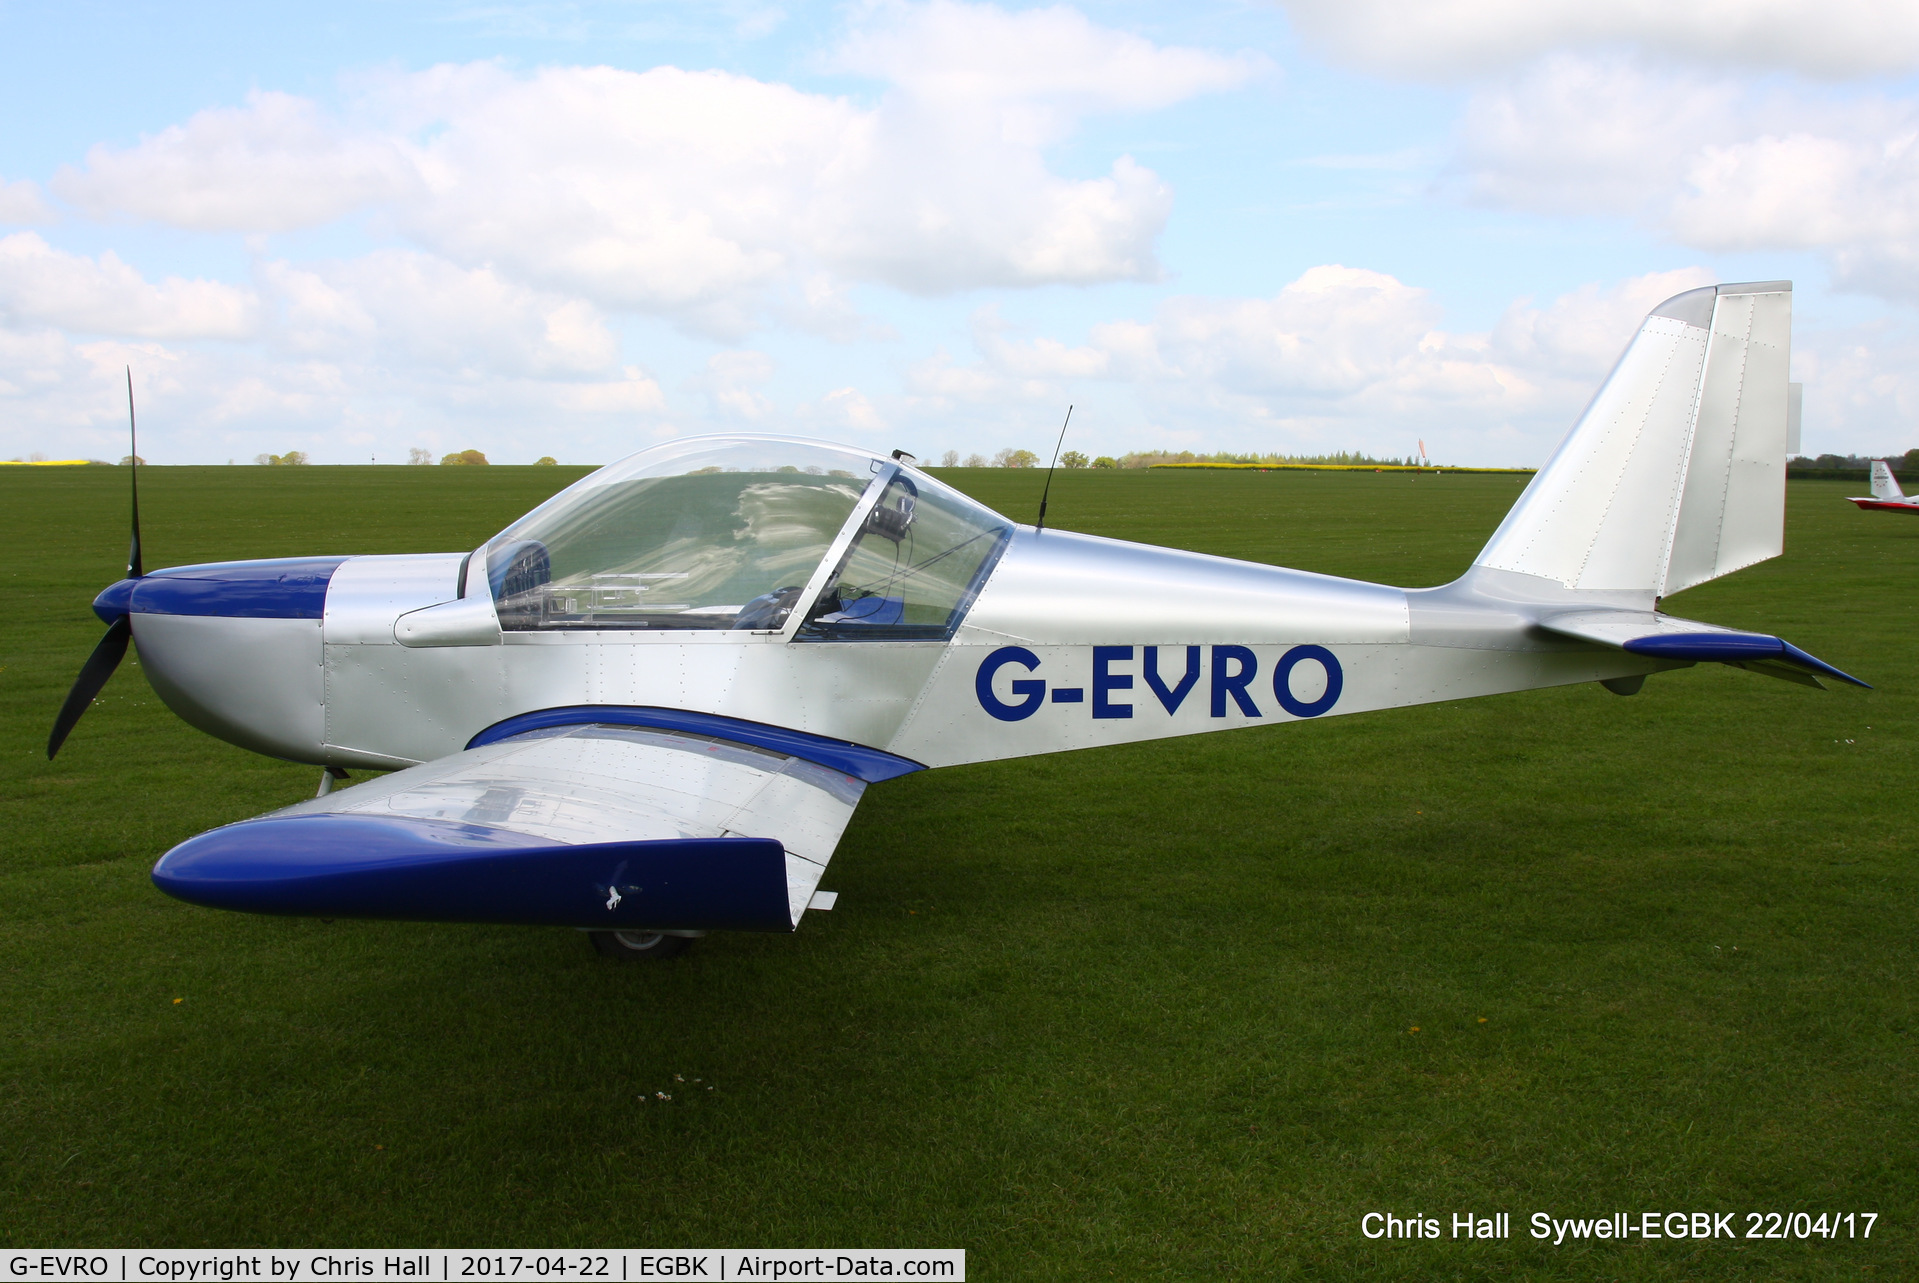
(303, 659)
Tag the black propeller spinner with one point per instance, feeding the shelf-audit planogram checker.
(113, 647)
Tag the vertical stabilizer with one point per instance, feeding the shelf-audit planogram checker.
(1676, 472)
(1884, 484)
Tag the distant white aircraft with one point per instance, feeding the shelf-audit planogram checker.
(649, 707)
(1886, 494)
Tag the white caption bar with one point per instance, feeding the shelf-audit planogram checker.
(394, 1265)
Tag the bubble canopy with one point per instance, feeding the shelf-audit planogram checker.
(730, 533)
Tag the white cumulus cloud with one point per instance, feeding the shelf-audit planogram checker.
(21, 203)
(1340, 358)
(274, 165)
(1714, 162)
(527, 225)
(1447, 38)
(1335, 332)
(732, 382)
(844, 410)
(41, 285)
(1572, 135)
(417, 309)
(1840, 188)
(712, 198)
(1581, 333)
(1032, 74)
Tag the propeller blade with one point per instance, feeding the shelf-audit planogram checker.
(113, 647)
(134, 567)
(99, 666)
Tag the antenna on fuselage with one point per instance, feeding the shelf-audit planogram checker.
(1041, 523)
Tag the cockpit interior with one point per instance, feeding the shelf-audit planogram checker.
(740, 533)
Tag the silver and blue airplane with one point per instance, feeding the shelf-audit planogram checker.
(648, 708)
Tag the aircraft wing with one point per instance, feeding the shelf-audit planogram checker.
(1644, 632)
(614, 827)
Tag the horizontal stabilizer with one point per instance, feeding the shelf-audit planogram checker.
(1688, 641)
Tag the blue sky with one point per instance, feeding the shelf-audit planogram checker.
(577, 229)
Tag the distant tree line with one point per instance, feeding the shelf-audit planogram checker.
(416, 456)
(1907, 462)
(466, 458)
(1008, 458)
(1147, 458)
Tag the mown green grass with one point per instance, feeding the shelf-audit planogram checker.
(1138, 1012)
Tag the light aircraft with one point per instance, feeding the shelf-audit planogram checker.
(1886, 494)
(648, 708)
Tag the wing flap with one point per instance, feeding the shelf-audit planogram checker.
(584, 825)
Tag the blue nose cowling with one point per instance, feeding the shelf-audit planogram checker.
(115, 601)
(283, 588)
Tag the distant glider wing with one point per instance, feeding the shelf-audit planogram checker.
(1667, 637)
(613, 827)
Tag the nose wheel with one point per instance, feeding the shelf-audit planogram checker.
(635, 946)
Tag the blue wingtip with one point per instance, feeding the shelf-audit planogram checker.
(1735, 648)
(367, 866)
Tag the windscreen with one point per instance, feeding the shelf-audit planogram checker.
(700, 534)
(915, 565)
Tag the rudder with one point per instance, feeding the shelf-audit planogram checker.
(1676, 472)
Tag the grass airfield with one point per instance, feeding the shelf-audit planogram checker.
(1133, 1012)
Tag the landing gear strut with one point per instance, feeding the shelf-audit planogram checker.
(637, 945)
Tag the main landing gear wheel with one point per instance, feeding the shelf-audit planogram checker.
(634, 946)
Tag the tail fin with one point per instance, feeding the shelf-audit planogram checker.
(1676, 472)
(1884, 484)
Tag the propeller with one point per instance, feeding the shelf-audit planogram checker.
(93, 675)
(113, 647)
(135, 568)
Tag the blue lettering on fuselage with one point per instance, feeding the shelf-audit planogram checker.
(1283, 677)
(1171, 698)
(1234, 669)
(1105, 680)
(1033, 692)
